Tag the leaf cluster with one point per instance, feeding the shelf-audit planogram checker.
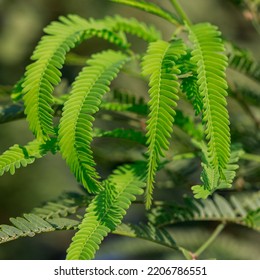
(191, 67)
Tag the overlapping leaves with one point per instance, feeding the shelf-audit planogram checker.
(106, 211)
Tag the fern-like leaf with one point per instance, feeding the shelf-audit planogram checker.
(58, 214)
(20, 156)
(106, 211)
(134, 27)
(42, 75)
(189, 86)
(239, 209)
(129, 134)
(149, 233)
(159, 64)
(211, 179)
(243, 61)
(30, 224)
(211, 65)
(75, 131)
(125, 102)
(66, 205)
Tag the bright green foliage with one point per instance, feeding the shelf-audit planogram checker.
(77, 118)
(106, 212)
(191, 68)
(211, 65)
(134, 27)
(211, 179)
(18, 156)
(42, 75)
(159, 64)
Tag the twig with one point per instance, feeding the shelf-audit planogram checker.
(210, 240)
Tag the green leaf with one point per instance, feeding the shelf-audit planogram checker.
(134, 27)
(159, 64)
(147, 232)
(211, 179)
(66, 205)
(44, 74)
(243, 61)
(211, 66)
(241, 209)
(30, 224)
(20, 156)
(75, 130)
(106, 211)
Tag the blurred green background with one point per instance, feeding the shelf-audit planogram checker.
(21, 25)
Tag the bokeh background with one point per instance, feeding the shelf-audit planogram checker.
(21, 25)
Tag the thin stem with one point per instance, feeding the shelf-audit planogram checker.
(181, 12)
(152, 9)
(209, 241)
(251, 157)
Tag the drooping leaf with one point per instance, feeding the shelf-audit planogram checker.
(75, 130)
(208, 55)
(44, 73)
(159, 64)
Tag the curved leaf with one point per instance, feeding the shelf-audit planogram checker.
(106, 211)
(134, 27)
(242, 209)
(159, 64)
(75, 130)
(20, 156)
(211, 65)
(44, 74)
(30, 224)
